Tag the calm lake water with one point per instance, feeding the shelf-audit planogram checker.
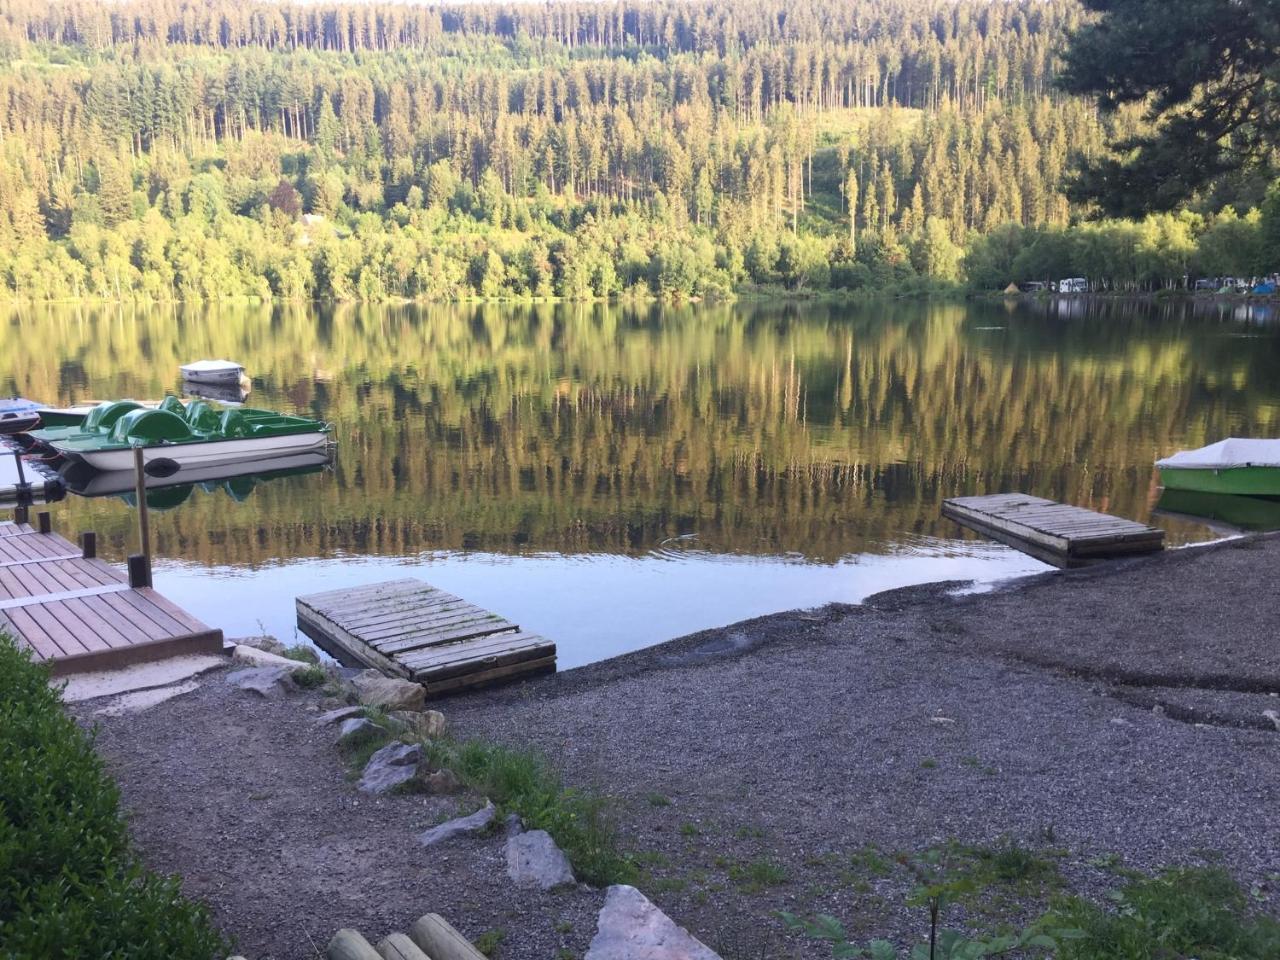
(613, 477)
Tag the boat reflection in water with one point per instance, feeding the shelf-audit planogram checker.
(1230, 512)
(238, 481)
(235, 393)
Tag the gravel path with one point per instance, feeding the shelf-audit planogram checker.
(1108, 716)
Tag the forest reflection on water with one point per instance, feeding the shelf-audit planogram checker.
(616, 476)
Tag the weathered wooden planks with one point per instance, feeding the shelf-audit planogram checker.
(81, 614)
(410, 629)
(1058, 533)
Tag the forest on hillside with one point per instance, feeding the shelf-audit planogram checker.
(204, 149)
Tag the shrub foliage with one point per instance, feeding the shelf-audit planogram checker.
(70, 886)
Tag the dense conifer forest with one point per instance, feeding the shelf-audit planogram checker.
(199, 149)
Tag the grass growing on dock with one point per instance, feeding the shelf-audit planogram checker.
(70, 885)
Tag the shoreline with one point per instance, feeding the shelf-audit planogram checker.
(761, 766)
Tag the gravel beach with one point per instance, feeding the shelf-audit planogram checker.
(1111, 716)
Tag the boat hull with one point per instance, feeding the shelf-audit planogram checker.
(18, 424)
(202, 453)
(1246, 481)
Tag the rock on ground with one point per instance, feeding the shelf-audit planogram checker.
(272, 683)
(354, 729)
(458, 827)
(534, 860)
(388, 693)
(262, 658)
(429, 723)
(632, 928)
(392, 766)
(337, 716)
(269, 644)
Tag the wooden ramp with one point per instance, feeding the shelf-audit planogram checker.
(80, 613)
(1057, 533)
(408, 628)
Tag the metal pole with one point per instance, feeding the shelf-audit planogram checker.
(144, 524)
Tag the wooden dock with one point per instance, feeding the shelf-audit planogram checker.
(25, 481)
(80, 613)
(1056, 533)
(410, 629)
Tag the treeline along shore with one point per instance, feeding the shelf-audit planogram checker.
(166, 150)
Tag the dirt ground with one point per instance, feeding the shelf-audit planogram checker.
(1105, 718)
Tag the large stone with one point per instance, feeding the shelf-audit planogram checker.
(269, 644)
(331, 717)
(630, 927)
(534, 860)
(253, 657)
(440, 782)
(388, 693)
(458, 827)
(429, 724)
(272, 683)
(393, 766)
(356, 728)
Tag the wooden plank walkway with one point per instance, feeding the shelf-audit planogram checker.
(1057, 533)
(81, 614)
(410, 629)
(28, 481)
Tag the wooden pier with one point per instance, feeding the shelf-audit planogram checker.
(410, 629)
(1056, 533)
(80, 613)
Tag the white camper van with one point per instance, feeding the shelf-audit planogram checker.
(1074, 285)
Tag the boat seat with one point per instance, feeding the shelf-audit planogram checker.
(202, 417)
(234, 424)
(171, 404)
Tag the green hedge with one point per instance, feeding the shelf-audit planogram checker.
(70, 886)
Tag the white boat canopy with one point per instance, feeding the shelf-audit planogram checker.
(1225, 454)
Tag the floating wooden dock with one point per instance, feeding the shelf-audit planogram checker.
(80, 613)
(1057, 533)
(410, 629)
(25, 481)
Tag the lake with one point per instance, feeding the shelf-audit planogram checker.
(614, 476)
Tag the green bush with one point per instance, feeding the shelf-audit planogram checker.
(70, 887)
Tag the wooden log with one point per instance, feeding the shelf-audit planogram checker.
(347, 944)
(399, 947)
(440, 941)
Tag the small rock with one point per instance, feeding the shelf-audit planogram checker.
(272, 683)
(476, 822)
(513, 826)
(1273, 716)
(428, 724)
(388, 693)
(269, 644)
(355, 729)
(333, 703)
(337, 716)
(534, 860)
(254, 657)
(392, 766)
(941, 720)
(630, 926)
(441, 782)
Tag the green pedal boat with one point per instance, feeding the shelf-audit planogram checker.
(196, 436)
(1246, 467)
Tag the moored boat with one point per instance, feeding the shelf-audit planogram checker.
(1238, 466)
(202, 437)
(217, 373)
(18, 415)
(98, 421)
